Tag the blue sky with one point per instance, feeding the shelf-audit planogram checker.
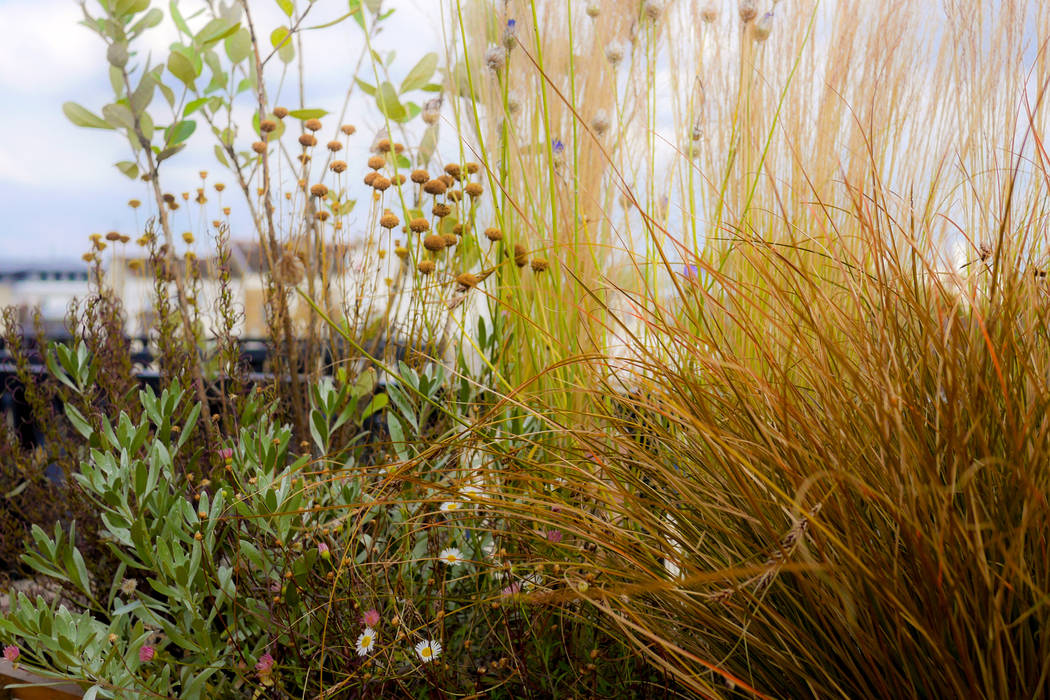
(57, 181)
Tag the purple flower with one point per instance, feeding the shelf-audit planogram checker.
(265, 663)
(689, 272)
(227, 454)
(146, 654)
(554, 536)
(512, 589)
(322, 549)
(558, 145)
(11, 653)
(370, 618)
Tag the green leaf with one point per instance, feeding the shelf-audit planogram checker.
(239, 45)
(176, 16)
(368, 88)
(182, 68)
(194, 105)
(427, 145)
(421, 73)
(129, 168)
(151, 19)
(179, 132)
(307, 113)
(389, 106)
(215, 30)
(82, 117)
(118, 116)
(220, 155)
(169, 152)
(143, 95)
(281, 39)
(286, 6)
(129, 7)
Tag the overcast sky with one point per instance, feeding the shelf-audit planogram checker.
(57, 181)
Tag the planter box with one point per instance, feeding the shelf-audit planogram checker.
(54, 690)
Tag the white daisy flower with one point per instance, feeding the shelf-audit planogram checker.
(428, 650)
(449, 506)
(366, 642)
(451, 556)
(470, 491)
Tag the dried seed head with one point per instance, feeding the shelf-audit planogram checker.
(134, 203)
(425, 266)
(493, 234)
(748, 10)
(323, 215)
(539, 264)
(474, 189)
(420, 176)
(338, 166)
(458, 229)
(521, 255)
(135, 264)
(290, 269)
(709, 13)
(398, 179)
(432, 111)
(451, 239)
(419, 225)
(467, 280)
(381, 183)
(435, 187)
(496, 58)
(226, 211)
(593, 10)
(334, 146)
(455, 195)
(434, 242)
(401, 252)
(614, 53)
(389, 219)
(188, 237)
(88, 257)
(399, 148)
(113, 236)
(312, 124)
(441, 210)
(267, 125)
(761, 29)
(382, 146)
(203, 174)
(348, 129)
(308, 140)
(453, 170)
(652, 9)
(319, 190)
(168, 197)
(280, 112)
(303, 158)
(371, 177)
(447, 179)
(376, 162)
(600, 123)
(219, 187)
(185, 196)
(259, 147)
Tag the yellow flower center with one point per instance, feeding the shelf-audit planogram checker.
(427, 652)
(366, 641)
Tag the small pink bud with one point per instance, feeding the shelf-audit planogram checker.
(554, 536)
(265, 663)
(322, 549)
(370, 618)
(11, 653)
(227, 454)
(146, 654)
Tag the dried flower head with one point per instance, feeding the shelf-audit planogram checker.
(259, 147)
(338, 166)
(399, 148)
(539, 264)
(652, 9)
(187, 237)
(761, 29)
(319, 190)
(419, 225)
(600, 123)
(467, 280)
(474, 189)
(382, 145)
(290, 269)
(219, 187)
(748, 9)
(593, 10)
(435, 187)
(267, 125)
(425, 266)
(709, 12)
(493, 234)
(389, 219)
(312, 124)
(453, 170)
(307, 140)
(134, 203)
(280, 112)
(451, 239)
(496, 58)
(401, 252)
(420, 176)
(398, 179)
(432, 111)
(113, 236)
(614, 53)
(521, 255)
(381, 184)
(348, 129)
(434, 242)
(441, 210)
(335, 146)
(370, 177)
(376, 162)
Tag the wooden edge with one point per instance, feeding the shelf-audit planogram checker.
(53, 690)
